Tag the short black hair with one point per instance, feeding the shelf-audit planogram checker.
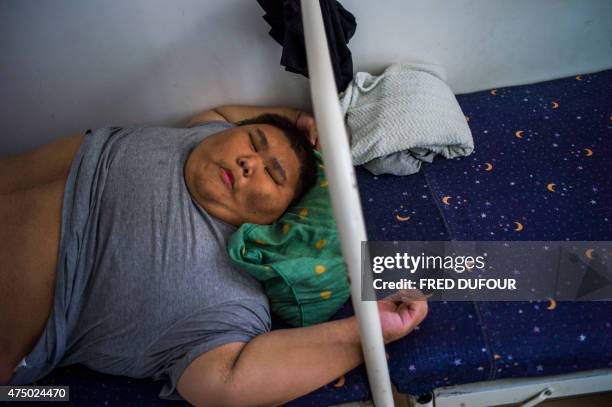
(299, 142)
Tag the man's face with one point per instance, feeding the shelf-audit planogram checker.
(243, 174)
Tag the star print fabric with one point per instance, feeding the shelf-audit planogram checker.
(541, 170)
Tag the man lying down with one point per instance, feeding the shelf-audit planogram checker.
(114, 256)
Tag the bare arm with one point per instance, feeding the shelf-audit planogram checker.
(284, 364)
(235, 114)
(273, 368)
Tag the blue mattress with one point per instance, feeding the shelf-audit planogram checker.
(527, 138)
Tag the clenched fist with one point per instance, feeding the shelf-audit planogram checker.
(398, 317)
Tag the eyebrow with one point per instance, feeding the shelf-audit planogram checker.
(262, 138)
(275, 163)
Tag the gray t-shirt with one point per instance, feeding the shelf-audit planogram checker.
(158, 288)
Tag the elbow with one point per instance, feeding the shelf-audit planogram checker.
(232, 396)
(227, 400)
(222, 111)
(209, 397)
(218, 392)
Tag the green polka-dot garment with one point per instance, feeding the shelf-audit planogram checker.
(298, 259)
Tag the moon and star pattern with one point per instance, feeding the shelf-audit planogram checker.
(541, 170)
(550, 145)
(542, 161)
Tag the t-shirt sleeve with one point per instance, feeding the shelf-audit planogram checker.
(236, 321)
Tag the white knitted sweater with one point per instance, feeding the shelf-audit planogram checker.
(408, 107)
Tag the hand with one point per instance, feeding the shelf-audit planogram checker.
(398, 317)
(306, 122)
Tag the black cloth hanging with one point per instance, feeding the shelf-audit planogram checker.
(285, 18)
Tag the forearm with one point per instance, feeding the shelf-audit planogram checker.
(284, 364)
(235, 114)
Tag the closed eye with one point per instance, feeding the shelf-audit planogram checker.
(271, 176)
(252, 142)
(254, 147)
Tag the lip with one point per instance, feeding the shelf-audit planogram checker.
(227, 178)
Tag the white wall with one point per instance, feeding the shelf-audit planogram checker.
(70, 65)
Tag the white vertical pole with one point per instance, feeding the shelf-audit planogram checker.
(344, 195)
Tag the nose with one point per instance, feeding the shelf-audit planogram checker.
(248, 165)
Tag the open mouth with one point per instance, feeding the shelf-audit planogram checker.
(228, 178)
